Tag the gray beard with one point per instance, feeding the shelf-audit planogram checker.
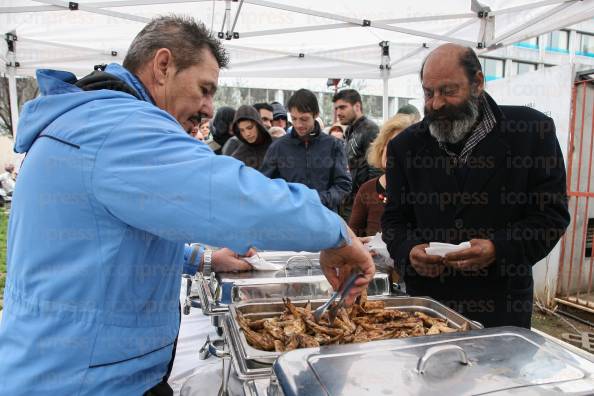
(452, 132)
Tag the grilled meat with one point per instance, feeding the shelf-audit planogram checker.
(367, 320)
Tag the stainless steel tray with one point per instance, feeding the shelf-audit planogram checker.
(245, 352)
(500, 360)
(244, 369)
(301, 279)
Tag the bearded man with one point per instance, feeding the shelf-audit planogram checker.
(474, 171)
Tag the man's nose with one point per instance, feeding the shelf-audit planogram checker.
(437, 102)
(208, 108)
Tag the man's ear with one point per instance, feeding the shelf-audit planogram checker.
(162, 65)
(479, 81)
(357, 107)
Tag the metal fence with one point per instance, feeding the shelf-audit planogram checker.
(574, 286)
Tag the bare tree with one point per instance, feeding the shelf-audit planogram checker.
(27, 89)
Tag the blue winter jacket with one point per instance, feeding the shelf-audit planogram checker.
(110, 190)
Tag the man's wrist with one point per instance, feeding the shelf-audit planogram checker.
(194, 255)
(206, 267)
(345, 236)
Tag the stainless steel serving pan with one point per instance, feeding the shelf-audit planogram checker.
(503, 360)
(257, 310)
(301, 279)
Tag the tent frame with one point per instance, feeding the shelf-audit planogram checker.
(479, 14)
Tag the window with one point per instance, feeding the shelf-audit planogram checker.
(586, 44)
(492, 68)
(529, 43)
(558, 41)
(523, 67)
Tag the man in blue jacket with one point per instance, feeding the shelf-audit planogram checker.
(111, 188)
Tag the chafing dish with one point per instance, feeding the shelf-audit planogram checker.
(504, 360)
(302, 278)
(251, 362)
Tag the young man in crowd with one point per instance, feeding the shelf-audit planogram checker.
(279, 116)
(308, 156)
(266, 114)
(361, 131)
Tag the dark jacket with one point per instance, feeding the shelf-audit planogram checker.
(319, 164)
(230, 146)
(252, 154)
(514, 194)
(358, 137)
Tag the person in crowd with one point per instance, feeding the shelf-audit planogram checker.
(249, 129)
(220, 128)
(337, 130)
(196, 133)
(279, 116)
(8, 179)
(370, 200)
(361, 131)
(266, 114)
(205, 130)
(91, 303)
(277, 132)
(308, 156)
(456, 177)
(411, 110)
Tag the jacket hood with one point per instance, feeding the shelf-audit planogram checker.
(59, 95)
(220, 124)
(247, 112)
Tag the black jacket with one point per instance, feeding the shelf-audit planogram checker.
(514, 194)
(358, 137)
(319, 164)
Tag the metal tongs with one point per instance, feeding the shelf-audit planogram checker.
(343, 292)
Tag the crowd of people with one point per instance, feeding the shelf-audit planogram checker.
(291, 143)
(121, 172)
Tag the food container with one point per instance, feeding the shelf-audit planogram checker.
(494, 361)
(301, 279)
(252, 363)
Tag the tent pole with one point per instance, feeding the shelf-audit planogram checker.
(385, 100)
(13, 98)
(100, 11)
(12, 87)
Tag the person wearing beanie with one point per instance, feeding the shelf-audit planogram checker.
(279, 115)
(253, 136)
(411, 110)
(337, 130)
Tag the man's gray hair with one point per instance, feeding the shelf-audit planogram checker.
(183, 36)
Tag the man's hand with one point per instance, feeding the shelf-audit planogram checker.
(226, 260)
(365, 240)
(337, 264)
(426, 265)
(479, 255)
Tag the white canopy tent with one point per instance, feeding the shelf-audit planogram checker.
(373, 39)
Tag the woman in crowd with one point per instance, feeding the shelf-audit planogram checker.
(370, 200)
(337, 130)
(252, 134)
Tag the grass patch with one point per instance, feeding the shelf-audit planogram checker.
(3, 234)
